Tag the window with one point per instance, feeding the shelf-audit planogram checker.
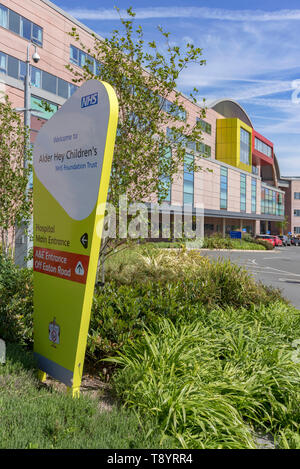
(263, 147)
(49, 83)
(37, 35)
(245, 147)
(224, 188)
(80, 58)
(3, 63)
(74, 55)
(272, 202)
(36, 105)
(3, 16)
(39, 78)
(297, 213)
(297, 195)
(204, 149)
(243, 193)
(26, 28)
(36, 76)
(188, 180)
(173, 109)
(13, 67)
(63, 88)
(253, 195)
(205, 126)
(297, 229)
(16, 23)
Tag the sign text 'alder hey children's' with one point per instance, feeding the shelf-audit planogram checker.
(72, 164)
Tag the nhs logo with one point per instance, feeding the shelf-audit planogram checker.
(90, 100)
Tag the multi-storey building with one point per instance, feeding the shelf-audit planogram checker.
(237, 187)
(291, 187)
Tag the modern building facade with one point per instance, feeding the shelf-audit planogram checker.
(291, 187)
(237, 187)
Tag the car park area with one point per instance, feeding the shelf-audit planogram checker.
(279, 268)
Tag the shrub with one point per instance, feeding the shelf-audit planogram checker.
(16, 303)
(185, 285)
(212, 383)
(266, 244)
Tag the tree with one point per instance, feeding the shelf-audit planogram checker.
(147, 155)
(15, 170)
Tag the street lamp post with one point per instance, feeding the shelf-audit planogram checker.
(22, 244)
(27, 97)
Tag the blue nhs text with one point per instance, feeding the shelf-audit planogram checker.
(90, 100)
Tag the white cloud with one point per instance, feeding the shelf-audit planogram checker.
(190, 12)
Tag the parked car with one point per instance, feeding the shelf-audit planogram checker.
(267, 238)
(286, 241)
(278, 241)
(295, 241)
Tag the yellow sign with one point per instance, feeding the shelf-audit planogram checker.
(72, 164)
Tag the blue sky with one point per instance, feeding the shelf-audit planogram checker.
(252, 53)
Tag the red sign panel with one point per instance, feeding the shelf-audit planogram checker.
(65, 265)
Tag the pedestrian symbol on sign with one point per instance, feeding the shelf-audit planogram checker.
(79, 270)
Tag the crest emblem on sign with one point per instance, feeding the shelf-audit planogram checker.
(54, 332)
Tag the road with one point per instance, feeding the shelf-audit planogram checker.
(279, 268)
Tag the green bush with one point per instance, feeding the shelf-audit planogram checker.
(266, 244)
(16, 303)
(185, 284)
(246, 243)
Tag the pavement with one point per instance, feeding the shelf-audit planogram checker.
(279, 268)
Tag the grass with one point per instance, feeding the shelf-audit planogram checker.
(215, 382)
(35, 417)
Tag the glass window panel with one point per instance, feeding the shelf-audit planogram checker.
(98, 68)
(12, 67)
(223, 203)
(36, 76)
(3, 62)
(72, 89)
(189, 187)
(49, 82)
(82, 58)
(188, 199)
(90, 62)
(26, 27)
(37, 34)
(189, 177)
(22, 70)
(74, 55)
(63, 88)
(3, 16)
(14, 22)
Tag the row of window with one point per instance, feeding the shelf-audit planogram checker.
(20, 25)
(80, 58)
(263, 147)
(205, 126)
(39, 78)
(202, 148)
(272, 202)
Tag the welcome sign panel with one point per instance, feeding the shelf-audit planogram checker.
(72, 165)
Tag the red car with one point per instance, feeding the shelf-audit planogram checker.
(278, 241)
